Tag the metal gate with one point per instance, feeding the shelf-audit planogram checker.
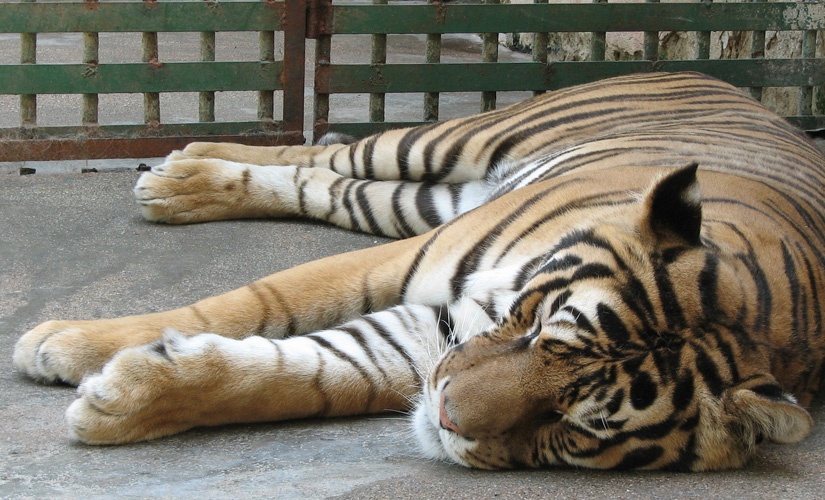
(294, 22)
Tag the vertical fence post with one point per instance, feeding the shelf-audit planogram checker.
(489, 54)
(598, 42)
(378, 56)
(432, 55)
(318, 28)
(540, 41)
(28, 55)
(151, 100)
(703, 40)
(91, 44)
(757, 52)
(651, 43)
(266, 98)
(293, 73)
(206, 98)
(806, 94)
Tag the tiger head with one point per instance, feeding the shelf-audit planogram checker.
(611, 357)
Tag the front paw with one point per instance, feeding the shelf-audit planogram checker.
(190, 191)
(59, 351)
(143, 393)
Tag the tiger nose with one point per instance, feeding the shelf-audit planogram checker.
(444, 418)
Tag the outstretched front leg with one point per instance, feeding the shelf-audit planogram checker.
(368, 365)
(302, 299)
(188, 190)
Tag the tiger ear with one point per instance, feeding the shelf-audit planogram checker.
(764, 410)
(673, 207)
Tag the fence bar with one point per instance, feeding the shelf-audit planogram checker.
(28, 55)
(806, 94)
(140, 77)
(757, 52)
(478, 77)
(598, 42)
(91, 43)
(206, 99)
(293, 75)
(651, 43)
(457, 17)
(432, 55)
(135, 16)
(489, 54)
(323, 50)
(90, 57)
(540, 41)
(151, 100)
(703, 39)
(266, 98)
(378, 56)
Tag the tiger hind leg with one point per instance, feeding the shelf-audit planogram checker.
(200, 190)
(369, 365)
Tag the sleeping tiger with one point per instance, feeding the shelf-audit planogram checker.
(561, 292)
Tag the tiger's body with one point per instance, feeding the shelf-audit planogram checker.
(562, 294)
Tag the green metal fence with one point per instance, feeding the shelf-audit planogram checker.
(435, 19)
(321, 21)
(151, 76)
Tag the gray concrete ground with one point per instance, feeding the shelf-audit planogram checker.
(72, 246)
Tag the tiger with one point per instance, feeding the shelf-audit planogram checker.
(623, 274)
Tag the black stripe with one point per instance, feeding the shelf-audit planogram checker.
(559, 301)
(554, 265)
(425, 204)
(358, 336)
(446, 327)
(794, 288)
(814, 305)
(385, 334)
(413, 269)
(327, 345)
(405, 147)
(592, 270)
(612, 325)
(366, 156)
(581, 319)
(403, 226)
(291, 324)
(318, 386)
(640, 457)
(707, 369)
(674, 318)
(300, 188)
(366, 210)
(246, 177)
(347, 202)
(265, 307)
(334, 196)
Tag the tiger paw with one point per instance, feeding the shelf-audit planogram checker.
(63, 351)
(143, 393)
(189, 191)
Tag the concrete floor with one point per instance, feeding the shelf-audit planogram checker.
(74, 247)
